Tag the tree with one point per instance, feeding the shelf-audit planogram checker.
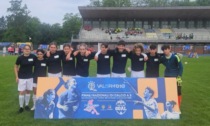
(71, 26)
(95, 3)
(33, 29)
(203, 2)
(16, 22)
(3, 26)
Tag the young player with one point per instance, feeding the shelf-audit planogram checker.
(137, 61)
(4, 51)
(153, 62)
(45, 105)
(83, 61)
(68, 65)
(150, 104)
(103, 61)
(54, 60)
(68, 101)
(40, 69)
(170, 113)
(24, 76)
(120, 55)
(173, 68)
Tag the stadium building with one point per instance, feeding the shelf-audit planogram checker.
(187, 29)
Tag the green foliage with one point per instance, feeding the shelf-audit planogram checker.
(71, 26)
(116, 3)
(19, 27)
(16, 21)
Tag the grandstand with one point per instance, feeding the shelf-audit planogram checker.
(178, 26)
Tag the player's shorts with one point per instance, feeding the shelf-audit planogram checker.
(68, 76)
(25, 84)
(54, 74)
(34, 85)
(103, 75)
(118, 75)
(78, 76)
(137, 73)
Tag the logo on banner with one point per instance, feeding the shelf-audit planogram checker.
(91, 108)
(120, 107)
(92, 86)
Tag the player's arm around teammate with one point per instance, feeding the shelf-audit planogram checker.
(24, 76)
(68, 61)
(102, 58)
(40, 69)
(83, 60)
(137, 61)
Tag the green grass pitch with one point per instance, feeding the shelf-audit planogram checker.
(195, 106)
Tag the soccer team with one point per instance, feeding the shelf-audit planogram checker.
(75, 63)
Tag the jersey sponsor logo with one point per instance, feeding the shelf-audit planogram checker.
(56, 56)
(106, 57)
(30, 60)
(85, 60)
(43, 64)
(141, 59)
(123, 55)
(156, 59)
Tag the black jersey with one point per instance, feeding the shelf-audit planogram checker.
(137, 62)
(152, 65)
(119, 61)
(103, 63)
(40, 69)
(26, 64)
(54, 62)
(82, 65)
(69, 65)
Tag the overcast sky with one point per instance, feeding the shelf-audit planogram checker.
(48, 11)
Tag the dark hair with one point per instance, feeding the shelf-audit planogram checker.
(27, 45)
(66, 45)
(105, 45)
(53, 43)
(164, 47)
(121, 42)
(49, 91)
(40, 50)
(138, 45)
(150, 91)
(173, 103)
(153, 47)
(83, 44)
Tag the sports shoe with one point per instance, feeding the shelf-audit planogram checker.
(20, 110)
(27, 108)
(33, 108)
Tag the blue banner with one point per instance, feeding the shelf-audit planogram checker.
(109, 98)
(5, 43)
(187, 47)
(207, 47)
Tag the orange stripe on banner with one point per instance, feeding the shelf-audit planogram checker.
(45, 83)
(62, 89)
(160, 108)
(147, 82)
(137, 114)
(171, 91)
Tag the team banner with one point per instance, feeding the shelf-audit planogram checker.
(207, 47)
(107, 98)
(187, 47)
